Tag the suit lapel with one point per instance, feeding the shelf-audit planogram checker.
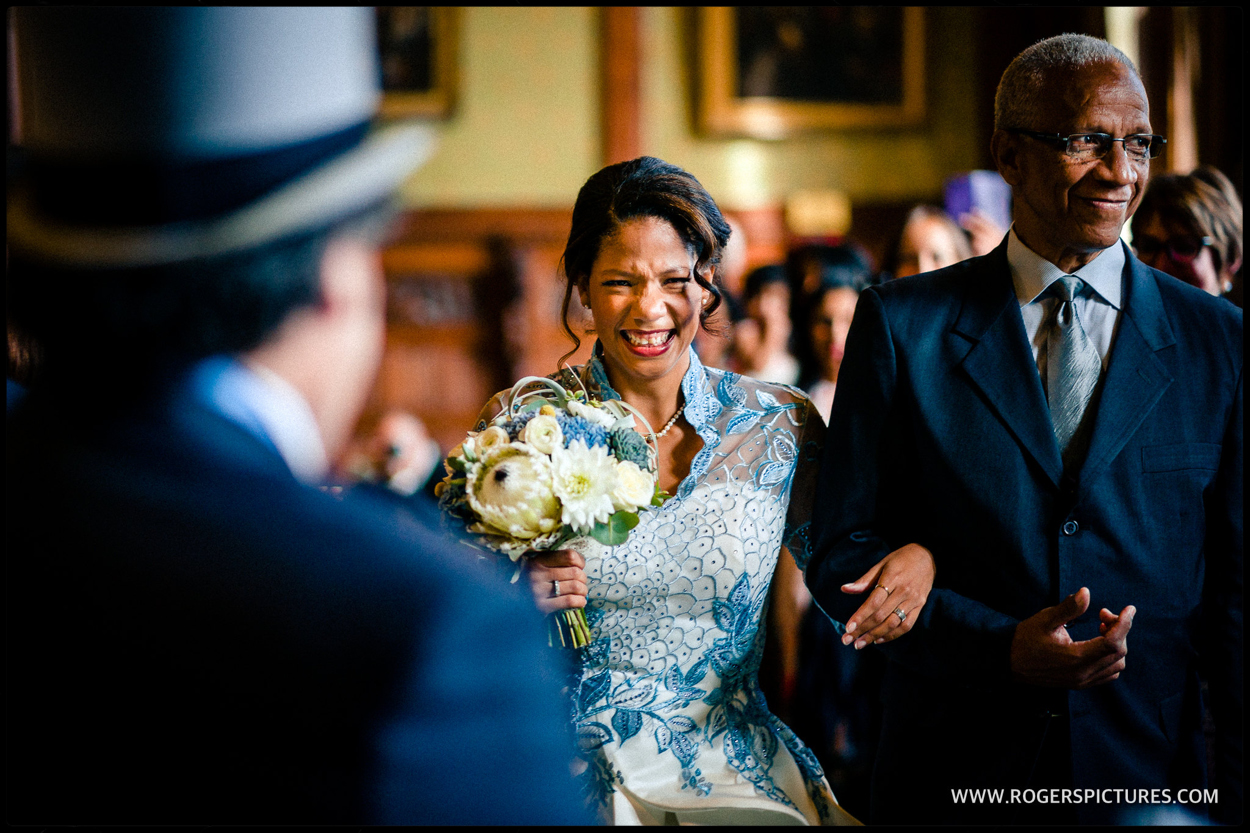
(1000, 363)
(1135, 378)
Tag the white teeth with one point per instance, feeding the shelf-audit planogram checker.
(649, 340)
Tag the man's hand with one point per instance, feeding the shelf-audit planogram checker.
(1043, 654)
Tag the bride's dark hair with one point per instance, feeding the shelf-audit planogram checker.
(643, 187)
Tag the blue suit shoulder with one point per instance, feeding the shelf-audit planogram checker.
(1192, 310)
(930, 300)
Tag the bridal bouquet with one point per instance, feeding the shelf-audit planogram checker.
(552, 467)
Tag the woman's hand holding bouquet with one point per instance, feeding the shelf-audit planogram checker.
(552, 467)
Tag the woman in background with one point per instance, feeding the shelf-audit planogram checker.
(928, 240)
(762, 338)
(1190, 226)
(842, 273)
(671, 723)
(827, 694)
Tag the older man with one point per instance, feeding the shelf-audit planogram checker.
(196, 633)
(1061, 427)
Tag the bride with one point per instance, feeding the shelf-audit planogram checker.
(670, 721)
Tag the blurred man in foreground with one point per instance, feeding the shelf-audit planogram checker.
(196, 633)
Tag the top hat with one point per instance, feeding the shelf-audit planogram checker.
(154, 136)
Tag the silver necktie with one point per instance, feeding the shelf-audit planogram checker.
(1072, 364)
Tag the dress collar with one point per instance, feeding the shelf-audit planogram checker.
(694, 385)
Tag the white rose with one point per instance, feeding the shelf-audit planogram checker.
(634, 487)
(491, 438)
(543, 433)
(510, 490)
(596, 416)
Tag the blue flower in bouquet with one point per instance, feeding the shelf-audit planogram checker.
(517, 424)
(578, 428)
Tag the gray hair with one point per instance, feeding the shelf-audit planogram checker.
(1019, 92)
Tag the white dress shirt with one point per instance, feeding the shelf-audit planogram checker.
(1097, 305)
(269, 407)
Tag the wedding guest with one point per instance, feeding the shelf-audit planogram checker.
(984, 233)
(715, 342)
(666, 699)
(1190, 226)
(929, 239)
(839, 273)
(762, 337)
(1061, 426)
(843, 272)
(23, 360)
(397, 454)
(196, 633)
(733, 266)
(830, 695)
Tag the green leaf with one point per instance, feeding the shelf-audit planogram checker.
(532, 406)
(616, 530)
(456, 463)
(660, 497)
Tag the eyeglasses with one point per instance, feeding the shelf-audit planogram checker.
(1182, 249)
(1086, 147)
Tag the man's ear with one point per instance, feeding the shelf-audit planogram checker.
(347, 275)
(1005, 151)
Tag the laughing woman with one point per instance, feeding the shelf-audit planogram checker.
(670, 719)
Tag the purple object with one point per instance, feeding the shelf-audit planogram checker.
(985, 190)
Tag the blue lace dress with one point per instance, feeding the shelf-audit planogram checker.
(668, 710)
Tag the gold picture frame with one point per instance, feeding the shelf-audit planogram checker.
(418, 47)
(819, 69)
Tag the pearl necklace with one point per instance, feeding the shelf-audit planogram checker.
(669, 424)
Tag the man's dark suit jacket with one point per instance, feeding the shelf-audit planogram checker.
(941, 435)
(195, 637)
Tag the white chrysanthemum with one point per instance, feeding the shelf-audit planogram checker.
(583, 478)
(634, 487)
(543, 433)
(593, 415)
(490, 438)
(510, 490)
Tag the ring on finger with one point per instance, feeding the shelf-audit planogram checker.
(902, 615)
(555, 588)
(887, 590)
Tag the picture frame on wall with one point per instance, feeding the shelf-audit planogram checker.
(769, 72)
(418, 50)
